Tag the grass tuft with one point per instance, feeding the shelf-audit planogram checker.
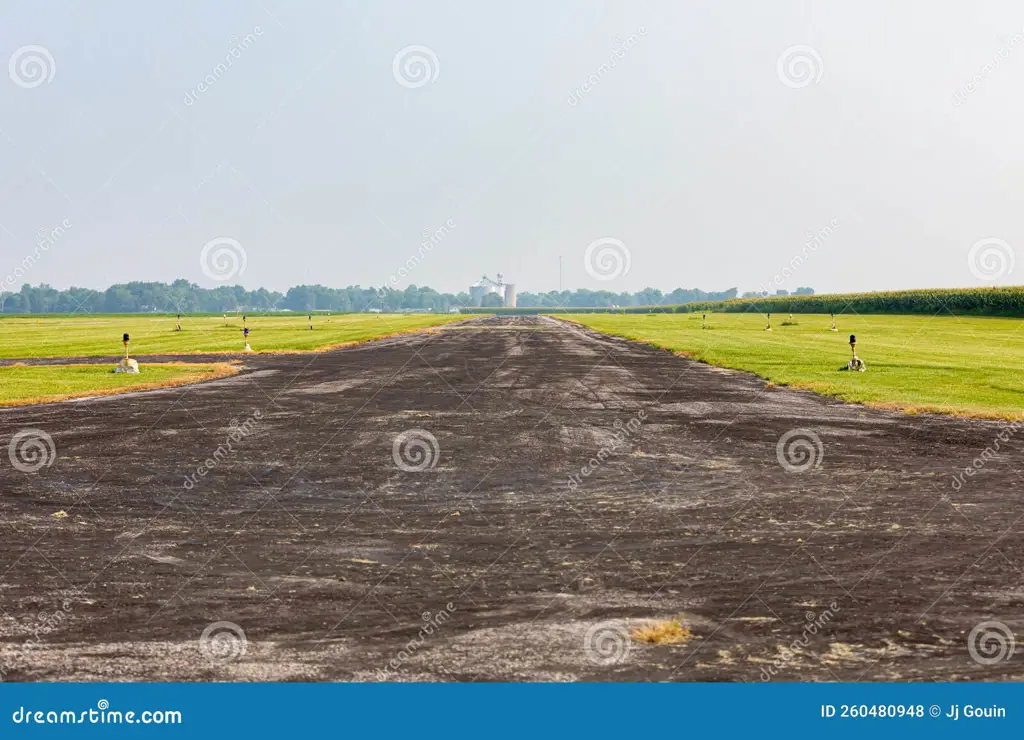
(666, 632)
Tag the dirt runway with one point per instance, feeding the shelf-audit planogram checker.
(503, 499)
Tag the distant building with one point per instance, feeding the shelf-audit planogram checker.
(485, 286)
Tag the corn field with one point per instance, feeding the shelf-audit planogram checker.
(957, 301)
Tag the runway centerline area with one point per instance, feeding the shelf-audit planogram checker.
(529, 490)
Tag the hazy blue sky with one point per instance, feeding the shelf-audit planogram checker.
(696, 150)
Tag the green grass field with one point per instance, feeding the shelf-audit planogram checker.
(967, 366)
(67, 336)
(20, 384)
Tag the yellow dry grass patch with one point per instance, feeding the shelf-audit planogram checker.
(666, 632)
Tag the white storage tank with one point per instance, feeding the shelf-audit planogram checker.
(477, 293)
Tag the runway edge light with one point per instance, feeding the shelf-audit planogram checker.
(126, 365)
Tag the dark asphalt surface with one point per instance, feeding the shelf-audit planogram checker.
(798, 537)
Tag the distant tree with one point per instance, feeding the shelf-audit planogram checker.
(119, 299)
(26, 298)
(300, 298)
(182, 296)
(804, 291)
(648, 297)
(261, 300)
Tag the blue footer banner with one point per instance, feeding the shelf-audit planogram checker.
(486, 710)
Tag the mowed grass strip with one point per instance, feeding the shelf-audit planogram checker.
(955, 365)
(70, 336)
(21, 384)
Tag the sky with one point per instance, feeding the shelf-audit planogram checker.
(665, 143)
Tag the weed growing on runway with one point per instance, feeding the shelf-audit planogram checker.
(666, 632)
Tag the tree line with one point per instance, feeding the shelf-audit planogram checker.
(181, 296)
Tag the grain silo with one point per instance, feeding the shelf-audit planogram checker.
(510, 295)
(477, 291)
